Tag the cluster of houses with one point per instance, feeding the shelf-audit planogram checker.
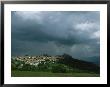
(35, 60)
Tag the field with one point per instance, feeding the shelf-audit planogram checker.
(50, 74)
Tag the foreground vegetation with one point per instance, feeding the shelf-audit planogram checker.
(50, 74)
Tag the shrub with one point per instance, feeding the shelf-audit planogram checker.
(59, 68)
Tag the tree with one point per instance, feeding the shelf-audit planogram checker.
(59, 68)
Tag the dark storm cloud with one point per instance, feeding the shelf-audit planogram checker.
(76, 33)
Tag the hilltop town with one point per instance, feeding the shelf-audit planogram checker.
(35, 60)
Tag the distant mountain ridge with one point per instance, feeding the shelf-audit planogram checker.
(80, 64)
(93, 59)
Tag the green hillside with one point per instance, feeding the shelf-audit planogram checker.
(65, 65)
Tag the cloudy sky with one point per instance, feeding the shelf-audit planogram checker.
(56, 32)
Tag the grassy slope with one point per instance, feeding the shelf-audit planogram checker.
(50, 74)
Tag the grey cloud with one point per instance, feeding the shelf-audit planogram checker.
(55, 33)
